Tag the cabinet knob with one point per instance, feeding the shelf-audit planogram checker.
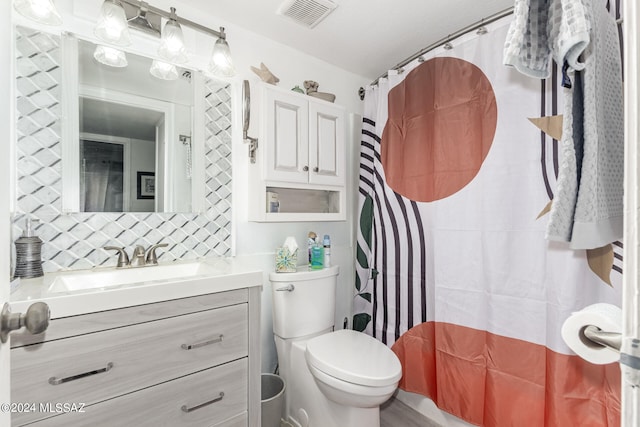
(36, 320)
(306, 168)
(316, 169)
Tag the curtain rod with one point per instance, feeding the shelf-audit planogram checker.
(463, 31)
(444, 40)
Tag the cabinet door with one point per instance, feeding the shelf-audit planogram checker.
(326, 144)
(286, 131)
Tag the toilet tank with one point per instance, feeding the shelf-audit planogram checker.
(309, 304)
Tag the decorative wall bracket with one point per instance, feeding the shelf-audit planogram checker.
(253, 146)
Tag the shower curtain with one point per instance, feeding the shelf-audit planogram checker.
(459, 157)
(101, 177)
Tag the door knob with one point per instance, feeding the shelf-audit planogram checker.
(36, 320)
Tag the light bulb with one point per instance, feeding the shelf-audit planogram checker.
(42, 11)
(221, 63)
(110, 56)
(112, 24)
(172, 43)
(163, 70)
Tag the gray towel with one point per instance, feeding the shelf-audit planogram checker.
(545, 28)
(592, 217)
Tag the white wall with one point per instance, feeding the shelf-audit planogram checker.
(6, 134)
(255, 243)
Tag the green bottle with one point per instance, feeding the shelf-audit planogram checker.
(317, 257)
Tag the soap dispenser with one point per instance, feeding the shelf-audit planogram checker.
(317, 256)
(28, 253)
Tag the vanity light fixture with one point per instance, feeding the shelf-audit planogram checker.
(112, 24)
(172, 42)
(110, 56)
(163, 70)
(139, 15)
(42, 11)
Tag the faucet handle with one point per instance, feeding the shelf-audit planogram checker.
(151, 253)
(123, 258)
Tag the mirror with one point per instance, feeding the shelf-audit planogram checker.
(246, 121)
(246, 108)
(133, 137)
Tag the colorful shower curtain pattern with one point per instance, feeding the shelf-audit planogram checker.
(453, 270)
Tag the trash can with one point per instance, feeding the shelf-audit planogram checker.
(272, 390)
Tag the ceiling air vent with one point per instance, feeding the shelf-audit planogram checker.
(307, 12)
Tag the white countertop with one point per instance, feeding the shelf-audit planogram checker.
(229, 275)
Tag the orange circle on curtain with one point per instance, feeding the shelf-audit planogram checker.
(442, 120)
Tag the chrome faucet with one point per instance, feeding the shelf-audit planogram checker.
(138, 258)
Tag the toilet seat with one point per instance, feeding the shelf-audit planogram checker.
(354, 357)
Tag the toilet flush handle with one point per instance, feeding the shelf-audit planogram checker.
(288, 288)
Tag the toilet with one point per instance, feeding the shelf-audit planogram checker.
(334, 378)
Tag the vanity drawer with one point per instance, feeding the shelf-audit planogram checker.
(162, 405)
(95, 367)
(66, 327)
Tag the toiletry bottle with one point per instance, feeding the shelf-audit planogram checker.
(311, 242)
(326, 242)
(28, 253)
(317, 257)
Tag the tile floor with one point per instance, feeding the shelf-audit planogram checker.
(394, 413)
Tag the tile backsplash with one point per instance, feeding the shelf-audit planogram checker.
(75, 240)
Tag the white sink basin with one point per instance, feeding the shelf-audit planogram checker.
(76, 281)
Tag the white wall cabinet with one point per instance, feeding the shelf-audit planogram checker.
(191, 362)
(301, 158)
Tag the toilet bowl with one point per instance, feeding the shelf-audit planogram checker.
(353, 369)
(334, 378)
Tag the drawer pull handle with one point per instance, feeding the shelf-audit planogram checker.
(193, 408)
(202, 344)
(57, 381)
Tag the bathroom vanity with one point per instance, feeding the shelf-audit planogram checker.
(162, 352)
